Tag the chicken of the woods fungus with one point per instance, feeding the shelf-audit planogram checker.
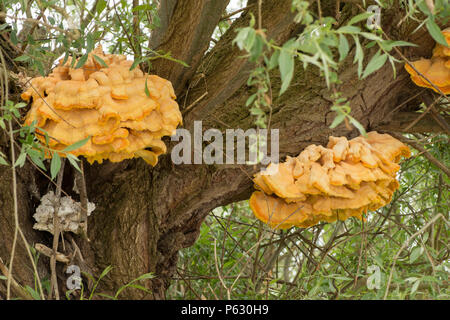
(125, 112)
(436, 69)
(344, 180)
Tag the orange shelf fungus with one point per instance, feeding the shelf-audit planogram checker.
(125, 112)
(344, 180)
(436, 69)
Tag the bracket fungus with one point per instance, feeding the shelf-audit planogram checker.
(436, 69)
(344, 180)
(125, 112)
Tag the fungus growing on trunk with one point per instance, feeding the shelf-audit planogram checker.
(125, 112)
(344, 180)
(436, 69)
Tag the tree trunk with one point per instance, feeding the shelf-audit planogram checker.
(145, 215)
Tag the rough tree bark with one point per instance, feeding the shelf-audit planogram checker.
(145, 215)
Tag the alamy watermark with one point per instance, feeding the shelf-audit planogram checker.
(237, 147)
(374, 22)
(74, 280)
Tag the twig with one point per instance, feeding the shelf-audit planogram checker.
(218, 271)
(46, 251)
(195, 102)
(405, 244)
(423, 114)
(81, 183)
(56, 231)
(226, 17)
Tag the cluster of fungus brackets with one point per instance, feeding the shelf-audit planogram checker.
(436, 69)
(124, 111)
(344, 180)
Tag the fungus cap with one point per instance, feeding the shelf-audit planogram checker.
(344, 180)
(125, 112)
(436, 69)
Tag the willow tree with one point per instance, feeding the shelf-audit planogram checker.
(309, 68)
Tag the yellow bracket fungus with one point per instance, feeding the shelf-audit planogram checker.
(436, 69)
(344, 180)
(125, 112)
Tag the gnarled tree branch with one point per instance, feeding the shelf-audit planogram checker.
(186, 32)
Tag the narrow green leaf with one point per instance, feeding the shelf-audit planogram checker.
(435, 32)
(358, 126)
(273, 61)
(359, 55)
(377, 61)
(371, 36)
(33, 293)
(415, 253)
(101, 5)
(106, 296)
(20, 105)
(66, 57)
(101, 61)
(131, 283)
(76, 145)
(89, 43)
(36, 157)
(250, 99)
(136, 62)
(184, 64)
(360, 17)
(337, 120)
(146, 88)
(73, 161)
(13, 37)
(286, 66)
(145, 276)
(415, 286)
(55, 165)
(40, 67)
(343, 47)
(21, 160)
(256, 112)
(349, 29)
(388, 45)
(81, 61)
(22, 58)
(47, 138)
(394, 69)
(250, 40)
(104, 273)
(2, 160)
(257, 48)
